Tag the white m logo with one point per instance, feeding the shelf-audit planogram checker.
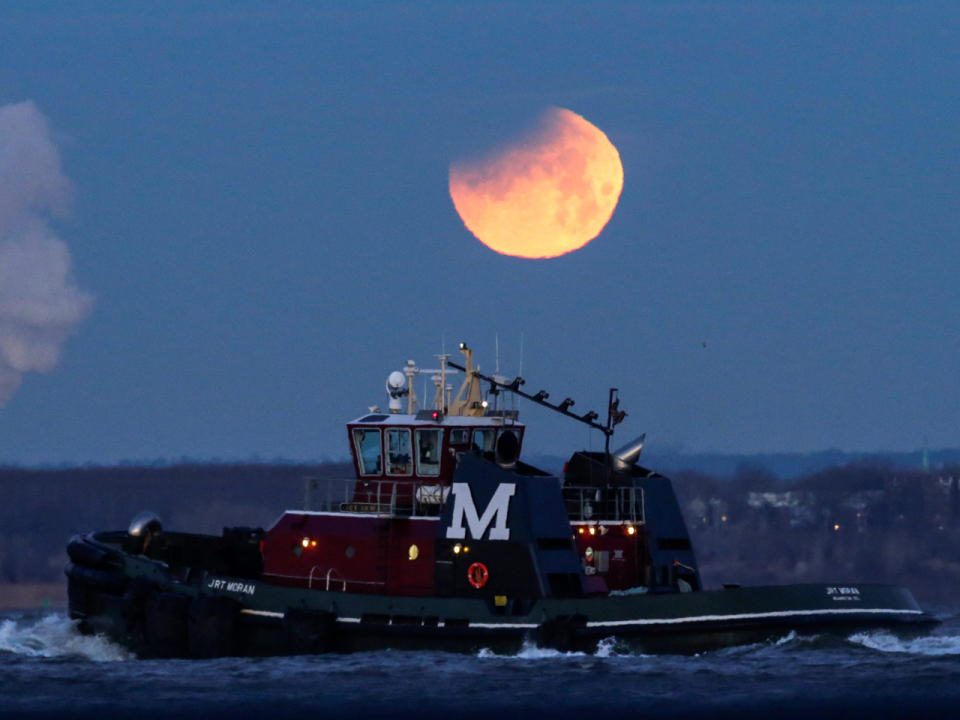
(464, 509)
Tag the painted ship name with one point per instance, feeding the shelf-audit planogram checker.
(232, 586)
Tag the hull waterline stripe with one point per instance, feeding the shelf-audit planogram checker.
(750, 616)
(522, 626)
(264, 613)
(657, 621)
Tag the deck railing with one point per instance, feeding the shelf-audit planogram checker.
(401, 497)
(605, 504)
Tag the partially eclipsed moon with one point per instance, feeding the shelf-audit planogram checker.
(546, 195)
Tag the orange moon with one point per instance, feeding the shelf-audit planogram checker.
(545, 195)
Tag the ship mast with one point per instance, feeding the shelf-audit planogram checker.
(614, 415)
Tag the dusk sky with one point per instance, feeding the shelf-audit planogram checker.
(222, 228)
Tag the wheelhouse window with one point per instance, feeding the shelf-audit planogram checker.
(483, 439)
(459, 436)
(399, 456)
(367, 443)
(428, 452)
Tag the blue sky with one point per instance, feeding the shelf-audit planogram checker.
(259, 214)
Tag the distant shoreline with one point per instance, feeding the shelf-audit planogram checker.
(33, 596)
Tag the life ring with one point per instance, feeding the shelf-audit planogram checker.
(478, 575)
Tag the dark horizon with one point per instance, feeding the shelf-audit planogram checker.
(784, 465)
(874, 523)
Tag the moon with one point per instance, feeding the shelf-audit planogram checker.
(544, 195)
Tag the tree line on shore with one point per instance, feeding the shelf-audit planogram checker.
(849, 523)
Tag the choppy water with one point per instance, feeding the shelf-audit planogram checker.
(47, 669)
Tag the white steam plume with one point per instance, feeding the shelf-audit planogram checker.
(39, 303)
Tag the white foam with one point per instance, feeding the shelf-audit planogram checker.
(607, 648)
(56, 636)
(933, 645)
(786, 639)
(530, 651)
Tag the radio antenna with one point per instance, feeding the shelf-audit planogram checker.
(520, 371)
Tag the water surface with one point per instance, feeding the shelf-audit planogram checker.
(47, 669)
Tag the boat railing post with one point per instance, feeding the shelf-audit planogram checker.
(342, 580)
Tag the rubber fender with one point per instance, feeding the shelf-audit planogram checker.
(165, 625)
(212, 627)
(83, 553)
(135, 602)
(309, 631)
(561, 633)
(83, 599)
(100, 580)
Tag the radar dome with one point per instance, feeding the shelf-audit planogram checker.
(144, 523)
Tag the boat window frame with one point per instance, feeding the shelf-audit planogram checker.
(493, 444)
(389, 462)
(361, 464)
(438, 434)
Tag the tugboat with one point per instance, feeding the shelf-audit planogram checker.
(445, 538)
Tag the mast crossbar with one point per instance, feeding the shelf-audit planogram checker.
(588, 418)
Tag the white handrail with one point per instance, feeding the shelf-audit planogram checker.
(332, 570)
